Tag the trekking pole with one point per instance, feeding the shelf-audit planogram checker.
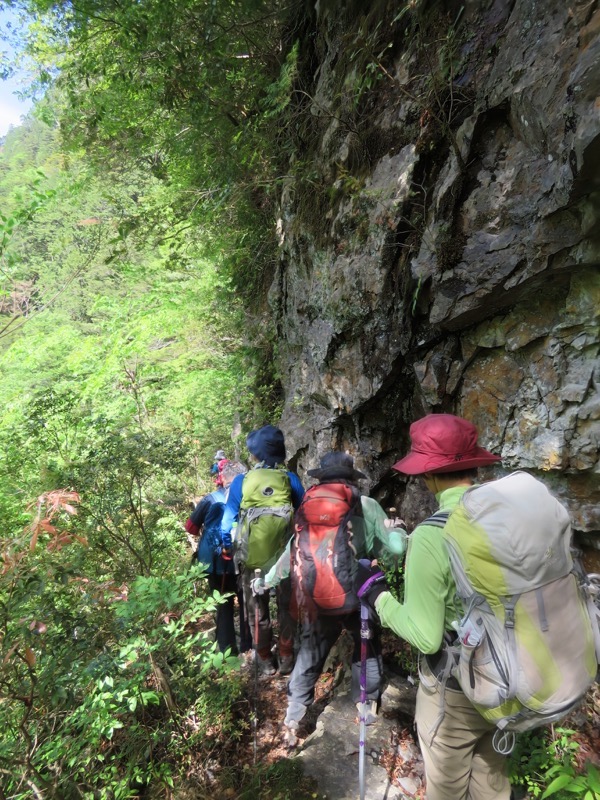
(365, 634)
(256, 630)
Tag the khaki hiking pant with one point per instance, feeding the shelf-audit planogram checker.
(460, 762)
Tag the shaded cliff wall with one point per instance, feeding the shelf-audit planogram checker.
(439, 237)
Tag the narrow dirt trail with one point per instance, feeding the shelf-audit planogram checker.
(329, 735)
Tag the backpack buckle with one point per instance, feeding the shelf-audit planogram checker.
(509, 619)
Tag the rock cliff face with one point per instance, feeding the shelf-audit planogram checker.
(440, 238)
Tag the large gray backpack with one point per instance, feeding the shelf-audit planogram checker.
(528, 642)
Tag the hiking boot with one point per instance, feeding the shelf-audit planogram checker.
(290, 734)
(286, 665)
(265, 666)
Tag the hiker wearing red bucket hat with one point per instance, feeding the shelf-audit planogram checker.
(456, 741)
(443, 443)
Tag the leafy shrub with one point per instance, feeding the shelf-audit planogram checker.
(543, 763)
(99, 683)
(283, 780)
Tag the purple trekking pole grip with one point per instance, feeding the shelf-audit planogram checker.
(371, 580)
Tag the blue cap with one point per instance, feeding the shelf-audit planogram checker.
(267, 444)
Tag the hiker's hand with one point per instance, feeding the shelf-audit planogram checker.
(258, 586)
(225, 553)
(370, 582)
(394, 522)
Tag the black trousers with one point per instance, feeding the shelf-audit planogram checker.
(226, 614)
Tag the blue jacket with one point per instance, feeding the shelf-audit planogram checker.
(207, 517)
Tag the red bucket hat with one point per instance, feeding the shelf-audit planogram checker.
(443, 443)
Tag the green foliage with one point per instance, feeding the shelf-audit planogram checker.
(415, 296)
(567, 782)
(280, 781)
(403, 656)
(129, 334)
(99, 682)
(436, 41)
(366, 54)
(278, 94)
(136, 222)
(21, 215)
(544, 764)
(189, 92)
(125, 364)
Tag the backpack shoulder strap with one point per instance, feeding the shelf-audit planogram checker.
(437, 520)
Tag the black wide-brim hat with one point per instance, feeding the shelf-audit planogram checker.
(336, 465)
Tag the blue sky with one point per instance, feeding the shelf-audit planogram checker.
(11, 108)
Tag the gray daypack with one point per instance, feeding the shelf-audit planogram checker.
(528, 644)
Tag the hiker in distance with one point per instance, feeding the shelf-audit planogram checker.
(216, 468)
(456, 741)
(256, 527)
(333, 527)
(205, 523)
(193, 529)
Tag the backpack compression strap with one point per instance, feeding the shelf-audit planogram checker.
(439, 520)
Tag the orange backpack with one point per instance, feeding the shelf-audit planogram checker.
(323, 558)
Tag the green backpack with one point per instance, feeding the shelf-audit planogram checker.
(265, 522)
(529, 639)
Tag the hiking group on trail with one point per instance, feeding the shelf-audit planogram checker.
(333, 528)
(505, 618)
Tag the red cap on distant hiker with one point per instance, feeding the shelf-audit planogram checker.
(443, 443)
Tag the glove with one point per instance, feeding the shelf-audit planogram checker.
(370, 582)
(394, 522)
(258, 586)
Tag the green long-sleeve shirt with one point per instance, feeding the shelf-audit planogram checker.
(429, 608)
